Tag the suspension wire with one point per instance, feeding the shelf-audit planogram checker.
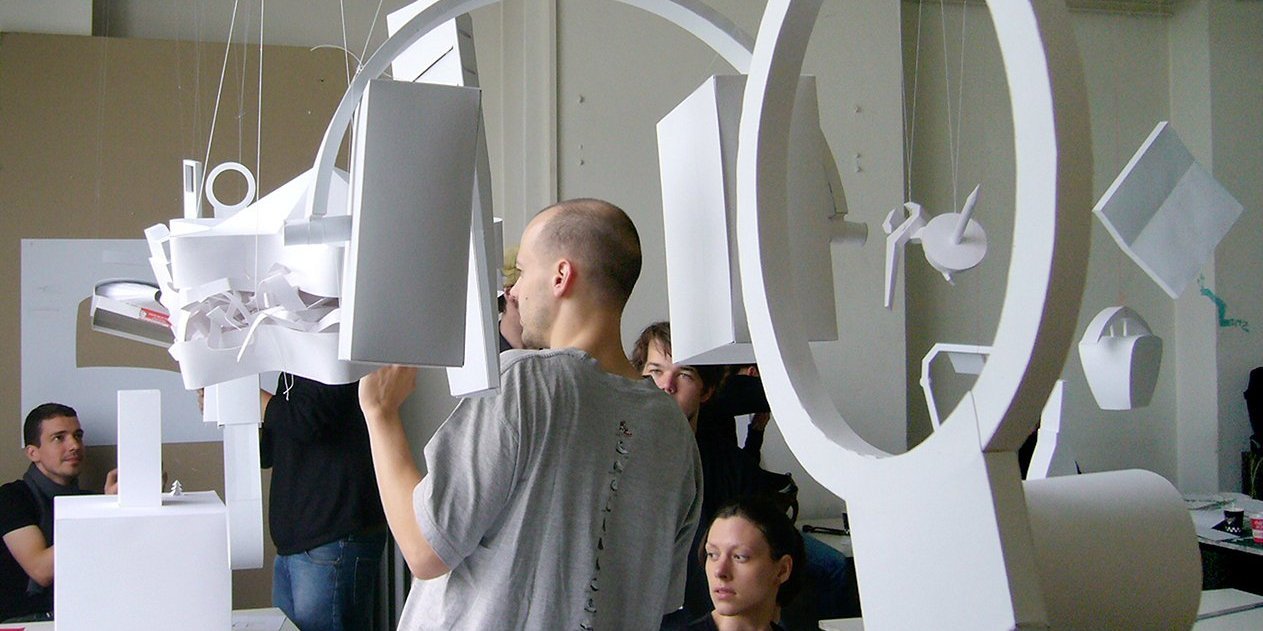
(947, 85)
(909, 142)
(258, 130)
(369, 37)
(210, 141)
(960, 103)
(342, 10)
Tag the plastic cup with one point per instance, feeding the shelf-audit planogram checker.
(1256, 526)
(1234, 520)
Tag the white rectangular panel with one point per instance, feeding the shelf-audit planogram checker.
(412, 188)
(139, 448)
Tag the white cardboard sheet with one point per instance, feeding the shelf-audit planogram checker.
(1166, 211)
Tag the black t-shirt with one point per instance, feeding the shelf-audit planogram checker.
(707, 623)
(17, 510)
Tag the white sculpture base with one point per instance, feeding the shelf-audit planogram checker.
(128, 568)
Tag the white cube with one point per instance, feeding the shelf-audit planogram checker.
(127, 568)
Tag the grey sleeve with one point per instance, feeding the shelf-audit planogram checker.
(471, 463)
(684, 538)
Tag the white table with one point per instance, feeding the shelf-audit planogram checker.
(1220, 610)
(266, 619)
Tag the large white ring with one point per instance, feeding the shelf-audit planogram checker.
(1050, 239)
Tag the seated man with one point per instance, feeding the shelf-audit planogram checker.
(729, 474)
(54, 445)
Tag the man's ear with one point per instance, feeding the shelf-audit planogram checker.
(32, 453)
(563, 277)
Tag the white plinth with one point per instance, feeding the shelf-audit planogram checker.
(128, 568)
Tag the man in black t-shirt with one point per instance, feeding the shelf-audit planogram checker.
(54, 445)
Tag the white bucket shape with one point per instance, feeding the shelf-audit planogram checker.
(1121, 357)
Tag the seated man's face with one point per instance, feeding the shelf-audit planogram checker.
(59, 454)
(681, 382)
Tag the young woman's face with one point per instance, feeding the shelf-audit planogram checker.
(742, 574)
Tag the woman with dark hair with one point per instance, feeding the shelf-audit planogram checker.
(751, 553)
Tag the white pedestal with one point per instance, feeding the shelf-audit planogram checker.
(128, 568)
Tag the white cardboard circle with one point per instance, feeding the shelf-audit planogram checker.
(945, 256)
(222, 209)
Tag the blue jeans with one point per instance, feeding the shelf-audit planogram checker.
(332, 587)
(827, 569)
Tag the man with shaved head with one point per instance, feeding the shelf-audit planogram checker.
(569, 499)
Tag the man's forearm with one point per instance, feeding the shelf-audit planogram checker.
(397, 477)
(27, 546)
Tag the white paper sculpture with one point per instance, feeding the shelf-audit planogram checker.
(141, 558)
(1166, 211)
(966, 359)
(1121, 358)
(953, 242)
(696, 157)
(949, 538)
(242, 303)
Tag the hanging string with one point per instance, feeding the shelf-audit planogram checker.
(947, 85)
(910, 124)
(960, 104)
(210, 141)
(369, 38)
(258, 128)
(342, 10)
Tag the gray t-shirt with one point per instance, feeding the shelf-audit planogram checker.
(568, 501)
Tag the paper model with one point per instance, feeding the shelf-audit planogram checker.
(697, 146)
(1121, 358)
(966, 359)
(242, 303)
(1166, 211)
(953, 242)
(141, 558)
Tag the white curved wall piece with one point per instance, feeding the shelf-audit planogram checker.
(1115, 550)
(1166, 211)
(697, 148)
(974, 567)
(1121, 358)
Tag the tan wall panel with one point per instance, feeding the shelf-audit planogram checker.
(92, 131)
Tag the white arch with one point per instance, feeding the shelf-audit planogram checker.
(694, 16)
